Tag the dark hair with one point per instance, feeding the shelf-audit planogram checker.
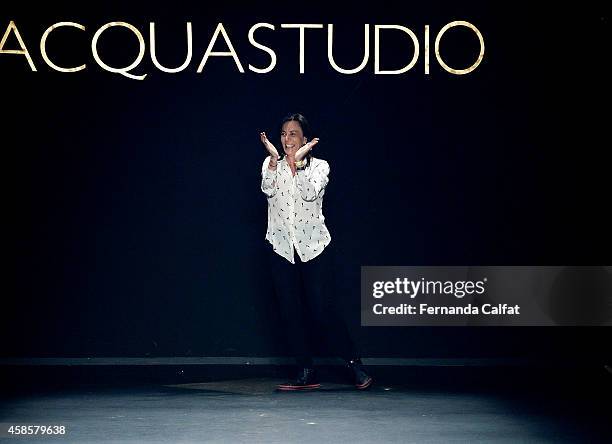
(306, 131)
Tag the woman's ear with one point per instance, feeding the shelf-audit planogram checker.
(305, 140)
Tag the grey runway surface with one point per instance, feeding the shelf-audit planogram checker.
(250, 410)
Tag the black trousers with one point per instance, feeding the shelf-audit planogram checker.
(308, 307)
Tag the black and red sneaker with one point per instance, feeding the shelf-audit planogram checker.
(306, 380)
(358, 375)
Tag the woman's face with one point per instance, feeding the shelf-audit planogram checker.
(292, 137)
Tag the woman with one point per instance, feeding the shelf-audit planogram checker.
(294, 184)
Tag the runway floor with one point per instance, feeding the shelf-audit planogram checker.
(250, 410)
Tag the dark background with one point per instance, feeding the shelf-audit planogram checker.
(134, 220)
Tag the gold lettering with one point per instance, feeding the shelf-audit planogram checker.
(43, 47)
(154, 56)
(209, 52)
(415, 42)
(123, 71)
(330, 46)
(23, 51)
(437, 48)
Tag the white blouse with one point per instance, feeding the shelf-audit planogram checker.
(295, 208)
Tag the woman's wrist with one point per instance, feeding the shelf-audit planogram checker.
(272, 163)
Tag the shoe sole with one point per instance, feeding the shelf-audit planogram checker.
(293, 388)
(365, 385)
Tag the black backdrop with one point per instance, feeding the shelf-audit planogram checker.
(135, 222)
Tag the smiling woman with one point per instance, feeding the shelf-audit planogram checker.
(409, 60)
(294, 183)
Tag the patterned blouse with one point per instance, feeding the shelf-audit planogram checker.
(295, 208)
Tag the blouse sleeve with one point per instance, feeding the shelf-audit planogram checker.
(312, 180)
(268, 179)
